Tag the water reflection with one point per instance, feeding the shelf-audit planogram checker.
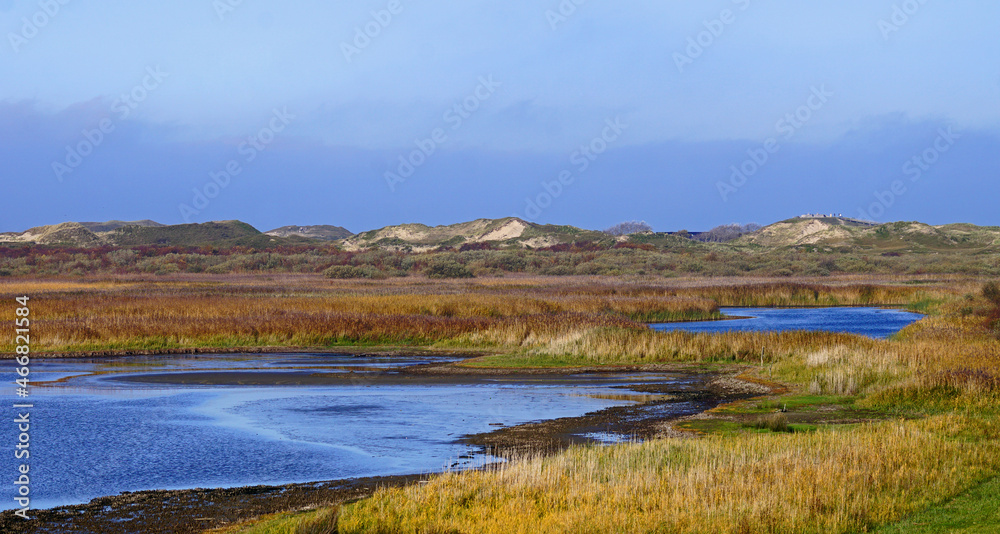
(877, 323)
(94, 433)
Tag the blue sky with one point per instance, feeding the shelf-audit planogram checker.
(583, 112)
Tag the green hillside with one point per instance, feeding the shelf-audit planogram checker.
(217, 233)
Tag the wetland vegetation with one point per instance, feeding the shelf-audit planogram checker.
(856, 433)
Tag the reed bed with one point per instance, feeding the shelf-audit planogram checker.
(211, 310)
(940, 373)
(828, 481)
(162, 315)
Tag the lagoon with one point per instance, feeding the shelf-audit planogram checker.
(103, 426)
(879, 323)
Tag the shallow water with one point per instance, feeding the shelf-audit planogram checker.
(97, 431)
(877, 323)
(95, 434)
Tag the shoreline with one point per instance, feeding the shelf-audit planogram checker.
(197, 510)
(390, 350)
(358, 350)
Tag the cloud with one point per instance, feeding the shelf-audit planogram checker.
(146, 170)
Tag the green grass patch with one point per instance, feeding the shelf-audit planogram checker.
(913, 399)
(321, 521)
(926, 306)
(801, 403)
(676, 316)
(976, 511)
(527, 361)
(711, 426)
(796, 403)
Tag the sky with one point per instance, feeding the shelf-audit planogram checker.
(365, 114)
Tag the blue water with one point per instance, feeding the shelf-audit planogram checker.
(93, 434)
(877, 323)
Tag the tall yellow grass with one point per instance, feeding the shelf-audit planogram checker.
(942, 373)
(210, 311)
(824, 482)
(70, 316)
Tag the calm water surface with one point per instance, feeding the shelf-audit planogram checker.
(872, 322)
(94, 434)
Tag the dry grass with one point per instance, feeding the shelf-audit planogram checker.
(824, 482)
(322, 521)
(941, 371)
(941, 374)
(596, 317)
(303, 311)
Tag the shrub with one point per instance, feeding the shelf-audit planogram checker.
(558, 270)
(447, 269)
(775, 422)
(727, 232)
(123, 257)
(628, 228)
(220, 268)
(349, 271)
(991, 291)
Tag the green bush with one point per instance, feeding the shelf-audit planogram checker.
(447, 269)
(991, 291)
(350, 271)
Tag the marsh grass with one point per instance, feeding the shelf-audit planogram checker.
(824, 481)
(939, 377)
(321, 521)
(940, 374)
(976, 511)
(774, 422)
(602, 319)
(310, 312)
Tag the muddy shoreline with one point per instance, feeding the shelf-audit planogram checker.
(361, 350)
(197, 510)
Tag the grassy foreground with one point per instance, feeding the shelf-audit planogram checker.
(923, 457)
(825, 481)
(936, 391)
(928, 435)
